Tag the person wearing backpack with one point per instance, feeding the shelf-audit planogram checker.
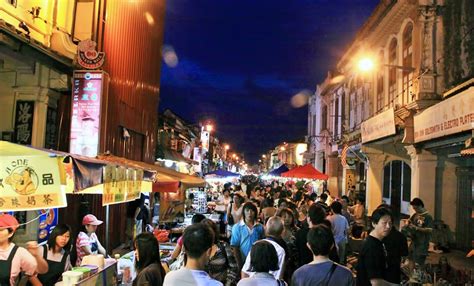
(321, 271)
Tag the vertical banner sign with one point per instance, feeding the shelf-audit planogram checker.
(205, 140)
(86, 105)
(350, 181)
(197, 158)
(133, 189)
(51, 129)
(47, 221)
(110, 181)
(24, 113)
(121, 185)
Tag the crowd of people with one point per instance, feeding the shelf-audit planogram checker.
(284, 235)
(270, 235)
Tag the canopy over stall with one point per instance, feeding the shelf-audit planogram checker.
(187, 181)
(277, 172)
(305, 172)
(221, 173)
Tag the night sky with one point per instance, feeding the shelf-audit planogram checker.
(239, 63)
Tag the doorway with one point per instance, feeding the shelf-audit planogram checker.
(397, 188)
(465, 208)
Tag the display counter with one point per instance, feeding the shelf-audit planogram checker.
(105, 276)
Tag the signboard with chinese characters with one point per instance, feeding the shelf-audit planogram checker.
(51, 129)
(24, 114)
(86, 110)
(452, 115)
(378, 126)
(30, 183)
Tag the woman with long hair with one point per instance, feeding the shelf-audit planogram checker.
(222, 266)
(56, 253)
(147, 260)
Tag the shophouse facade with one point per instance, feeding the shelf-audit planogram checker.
(372, 127)
(38, 47)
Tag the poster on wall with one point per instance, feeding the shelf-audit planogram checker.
(47, 221)
(172, 207)
(24, 114)
(85, 118)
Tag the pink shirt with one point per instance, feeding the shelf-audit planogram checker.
(22, 261)
(84, 240)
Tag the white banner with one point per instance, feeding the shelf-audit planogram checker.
(452, 115)
(378, 126)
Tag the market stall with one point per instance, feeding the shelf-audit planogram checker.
(39, 179)
(275, 173)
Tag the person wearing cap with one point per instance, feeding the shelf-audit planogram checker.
(13, 259)
(87, 242)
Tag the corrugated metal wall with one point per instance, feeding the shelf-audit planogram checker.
(132, 41)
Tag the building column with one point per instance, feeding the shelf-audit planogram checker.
(423, 176)
(376, 162)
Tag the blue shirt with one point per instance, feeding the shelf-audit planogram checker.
(244, 238)
(318, 274)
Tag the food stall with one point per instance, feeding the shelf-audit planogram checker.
(37, 180)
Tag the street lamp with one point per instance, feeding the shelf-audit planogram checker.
(209, 127)
(264, 156)
(226, 147)
(367, 64)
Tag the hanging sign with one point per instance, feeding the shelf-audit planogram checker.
(121, 184)
(378, 126)
(86, 106)
(30, 183)
(24, 114)
(450, 116)
(87, 55)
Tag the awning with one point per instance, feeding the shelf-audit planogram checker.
(187, 181)
(305, 172)
(30, 179)
(163, 175)
(277, 172)
(221, 173)
(172, 155)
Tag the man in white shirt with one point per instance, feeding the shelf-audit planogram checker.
(198, 243)
(274, 229)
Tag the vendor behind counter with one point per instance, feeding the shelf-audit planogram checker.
(56, 252)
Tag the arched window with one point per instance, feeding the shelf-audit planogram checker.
(407, 54)
(392, 72)
(380, 85)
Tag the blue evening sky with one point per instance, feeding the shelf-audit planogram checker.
(240, 62)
